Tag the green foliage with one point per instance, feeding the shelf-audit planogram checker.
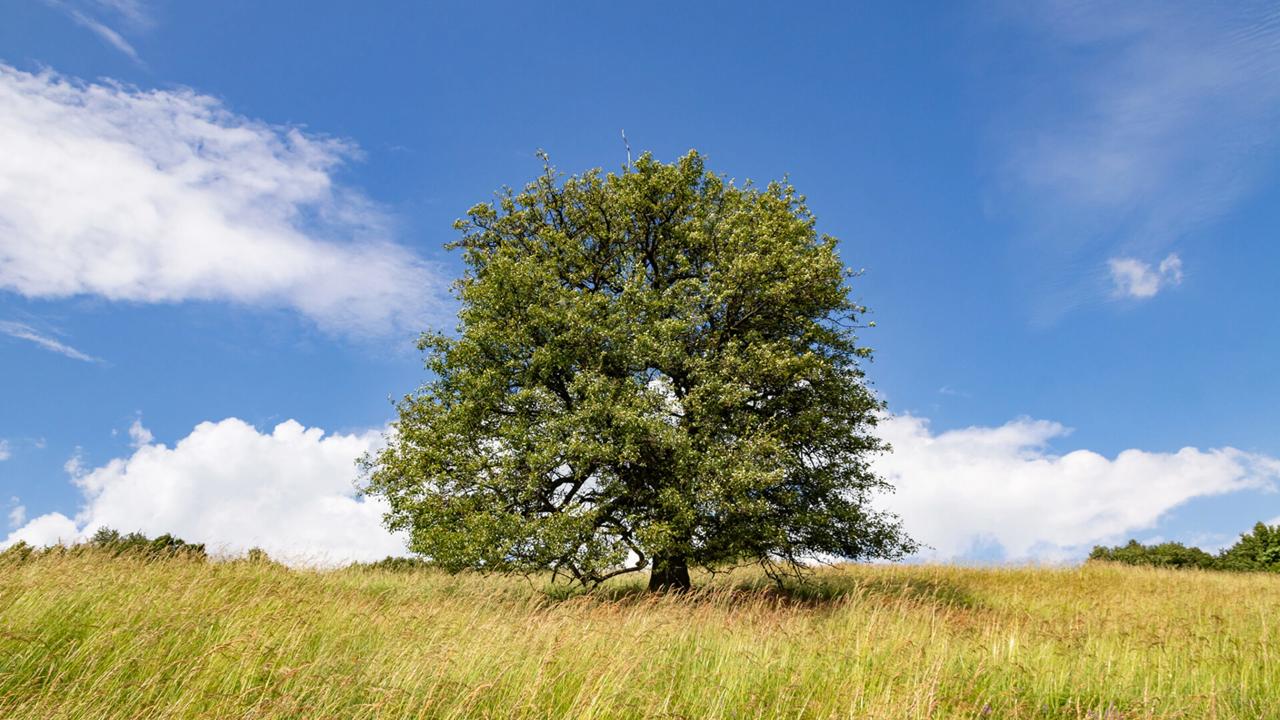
(656, 365)
(135, 543)
(395, 564)
(17, 553)
(1256, 551)
(257, 555)
(1169, 554)
(112, 542)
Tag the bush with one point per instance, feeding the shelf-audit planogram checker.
(135, 543)
(1169, 554)
(258, 556)
(17, 553)
(395, 564)
(111, 541)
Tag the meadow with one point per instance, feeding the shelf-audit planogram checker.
(92, 636)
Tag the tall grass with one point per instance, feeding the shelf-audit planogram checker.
(90, 636)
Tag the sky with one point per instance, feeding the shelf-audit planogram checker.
(222, 228)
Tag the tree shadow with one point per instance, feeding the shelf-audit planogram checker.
(819, 591)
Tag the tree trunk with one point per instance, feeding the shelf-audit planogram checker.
(669, 574)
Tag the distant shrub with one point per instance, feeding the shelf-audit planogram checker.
(1169, 554)
(1256, 551)
(17, 553)
(112, 541)
(396, 564)
(258, 555)
(137, 544)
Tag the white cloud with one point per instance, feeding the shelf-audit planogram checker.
(26, 332)
(1171, 269)
(47, 529)
(74, 466)
(1137, 279)
(290, 492)
(166, 196)
(17, 513)
(4, 450)
(139, 435)
(133, 12)
(111, 37)
(966, 489)
(90, 14)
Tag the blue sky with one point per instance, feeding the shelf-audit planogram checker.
(222, 223)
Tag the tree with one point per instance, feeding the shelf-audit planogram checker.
(655, 368)
(1256, 550)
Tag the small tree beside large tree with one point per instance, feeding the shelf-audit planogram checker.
(654, 369)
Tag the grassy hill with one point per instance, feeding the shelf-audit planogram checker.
(91, 636)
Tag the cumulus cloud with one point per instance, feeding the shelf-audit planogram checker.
(963, 492)
(167, 196)
(1134, 278)
(4, 450)
(22, 331)
(290, 491)
(48, 529)
(969, 489)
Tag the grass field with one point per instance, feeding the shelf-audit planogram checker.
(94, 637)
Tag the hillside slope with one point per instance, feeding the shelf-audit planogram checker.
(96, 637)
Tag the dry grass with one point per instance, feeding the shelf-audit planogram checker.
(93, 637)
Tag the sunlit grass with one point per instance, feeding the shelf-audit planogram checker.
(95, 637)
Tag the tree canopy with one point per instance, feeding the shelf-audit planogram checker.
(653, 369)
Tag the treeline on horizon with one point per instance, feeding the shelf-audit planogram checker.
(1255, 551)
(138, 545)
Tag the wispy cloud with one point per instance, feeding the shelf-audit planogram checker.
(4, 449)
(111, 37)
(94, 15)
(134, 12)
(1140, 123)
(26, 332)
(1134, 278)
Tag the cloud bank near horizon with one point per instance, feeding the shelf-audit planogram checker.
(292, 491)
(983, 488)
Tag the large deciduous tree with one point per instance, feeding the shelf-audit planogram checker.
(654, 369)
